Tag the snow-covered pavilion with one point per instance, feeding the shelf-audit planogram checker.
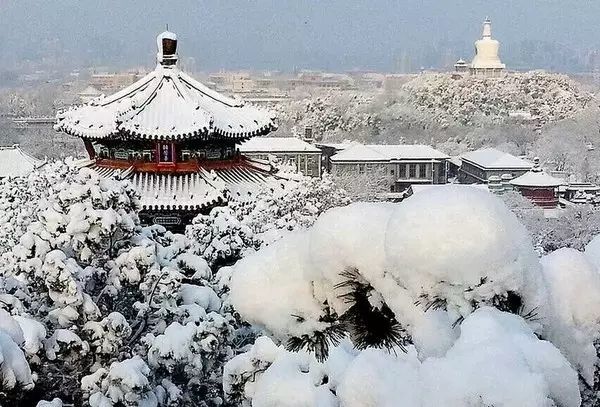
(174, 138)
(538, 186)
(15, 162)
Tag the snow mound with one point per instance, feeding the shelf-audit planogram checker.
(573, 322)
(479, 254)
(497, 360)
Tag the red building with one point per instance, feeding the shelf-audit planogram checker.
(538, 186)
(174, 138)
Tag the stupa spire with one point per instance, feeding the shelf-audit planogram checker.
(487, 28)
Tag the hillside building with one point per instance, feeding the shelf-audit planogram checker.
(293, 152)
(478, 166)
(402, 164)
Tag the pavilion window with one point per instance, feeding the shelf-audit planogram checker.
(361, 168)
(423, 170)
(402, 171)
(412, 171)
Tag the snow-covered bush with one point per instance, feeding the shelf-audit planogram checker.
(495, 352)
(573, 227)
(446, 282)
(95, 298)
(228, 233)
(20, 197)
(469, 99)
(366, 266)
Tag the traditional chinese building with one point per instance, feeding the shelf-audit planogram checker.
(294, 152)
(538, 186)
(174, 138)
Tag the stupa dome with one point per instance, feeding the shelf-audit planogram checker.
(486, 50)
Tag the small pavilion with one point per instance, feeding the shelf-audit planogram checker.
(538, 186)
(174, 139)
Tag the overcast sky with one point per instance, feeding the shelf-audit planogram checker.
(330, 34)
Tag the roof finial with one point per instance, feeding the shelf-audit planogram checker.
(167, 26)
(167, 48)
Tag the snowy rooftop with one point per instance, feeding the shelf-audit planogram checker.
(193, 191)
(537, 178)
(495, 159)
(387, 152)
(166, 104)
(14, 162)
(277, 145)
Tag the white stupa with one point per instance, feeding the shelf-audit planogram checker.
(486, 61)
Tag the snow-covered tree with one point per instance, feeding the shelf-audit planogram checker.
(392, 301)
(228, 233)
(102, 305)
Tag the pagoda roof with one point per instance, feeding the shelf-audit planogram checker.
(193, 191)
(14, 162)
(537, 178)
(166, 104)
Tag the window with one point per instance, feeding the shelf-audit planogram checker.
(423, 171)
(412, 171)
(402, 173)
(369, 168)
(361, 168)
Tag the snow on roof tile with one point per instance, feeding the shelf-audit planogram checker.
(537, 179)
(166, 104)
(277, 145)
(193, 190)
(495, 159)
(14, 162)
(387, 152)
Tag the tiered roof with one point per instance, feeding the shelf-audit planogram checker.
(166, 104)
(193, 191)
(537, 178)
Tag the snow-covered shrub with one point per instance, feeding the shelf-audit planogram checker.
(448, 281)
(572, 227)
(229, 233)
(497, 360)
(93, 295)
(366, 270)
(124, 384)
(469, 99)
(20, 197)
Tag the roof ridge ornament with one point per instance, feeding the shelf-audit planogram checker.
(166, 43)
